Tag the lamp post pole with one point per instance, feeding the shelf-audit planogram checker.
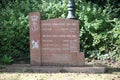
(71, 9)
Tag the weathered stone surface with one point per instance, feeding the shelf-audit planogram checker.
(80, 59)
(60, 42)
(35, 52)
(29, 68)
(55, 42)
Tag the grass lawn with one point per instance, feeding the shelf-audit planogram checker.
(58, 76)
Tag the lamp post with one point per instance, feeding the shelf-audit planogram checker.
(71, 9)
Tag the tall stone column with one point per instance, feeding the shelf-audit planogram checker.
(35, 52)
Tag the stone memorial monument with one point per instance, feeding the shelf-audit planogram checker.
(55, 42)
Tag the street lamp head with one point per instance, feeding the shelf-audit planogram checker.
(71, 9)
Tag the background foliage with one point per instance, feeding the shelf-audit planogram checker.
(99, 26)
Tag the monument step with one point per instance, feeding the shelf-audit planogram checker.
(53, 69)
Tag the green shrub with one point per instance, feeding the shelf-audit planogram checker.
(99, 30)
(99, 27)
(6, 59)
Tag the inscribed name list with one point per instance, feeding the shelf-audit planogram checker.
(59, 36)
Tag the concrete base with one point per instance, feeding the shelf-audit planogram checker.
(55, 69)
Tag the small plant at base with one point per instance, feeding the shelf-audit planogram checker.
(7, 59)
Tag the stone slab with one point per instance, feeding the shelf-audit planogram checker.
(35, 48)
(54, 42)
(54, 69)
(60, 42)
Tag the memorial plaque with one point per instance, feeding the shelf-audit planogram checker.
(58, 41)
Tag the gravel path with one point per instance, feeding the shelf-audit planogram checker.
(58, 76)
